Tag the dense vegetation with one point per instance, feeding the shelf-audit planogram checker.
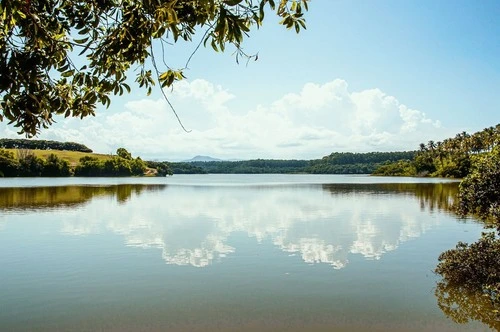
(355, 163)
(480, 190)
(471, 279)
(450, 158)
(470, 288)
(124, 165)
(162, 167)
(66, 57)
(116, 166)
(186, 168)
(335, 163)
(93, 165)
(27, 164)
(8, 143)
(256, 166)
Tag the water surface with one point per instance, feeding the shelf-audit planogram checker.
(226, 253)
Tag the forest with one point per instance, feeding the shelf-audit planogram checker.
(26, 164)
(23, 162)
(8, 143)
(335, 163)
(256, 166)
(451, 157)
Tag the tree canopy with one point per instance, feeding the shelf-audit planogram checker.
(480, 190)
(451, 157)
(40, 39)
(8, 143)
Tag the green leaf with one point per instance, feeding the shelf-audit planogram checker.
(81, 41)
(232, 2)
(127, 87)
(68, 73)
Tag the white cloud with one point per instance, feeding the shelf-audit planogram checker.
(317, 120)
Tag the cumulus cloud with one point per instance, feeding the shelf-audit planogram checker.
(317, 120)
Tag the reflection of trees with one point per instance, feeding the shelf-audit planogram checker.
(432, 196)
(471, 281)
(463, 305)
(63, 196)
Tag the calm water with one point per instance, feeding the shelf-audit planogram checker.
(226, 253)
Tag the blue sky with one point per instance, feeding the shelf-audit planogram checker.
(364, 76)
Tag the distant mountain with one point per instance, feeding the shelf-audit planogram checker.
(202, 158)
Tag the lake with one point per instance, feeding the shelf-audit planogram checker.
(226, 253)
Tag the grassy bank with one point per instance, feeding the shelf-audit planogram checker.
(73, 157)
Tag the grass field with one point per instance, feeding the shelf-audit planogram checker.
(73, 157)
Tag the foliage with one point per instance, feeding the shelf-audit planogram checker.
(8, 164)
(465, 263)
(89, 166)
(54, 166)
(29, 164)
(7, 143)
(137, 166)
(39, 41)
(335, 163)
(115, 166)
(355, 163)
(123, 153)
(424, 164)
(398, 168)
(256, 166)
(475, 269)
(186, 168)
(162, 167)
(342, 158)
(480, 190)
(453, 156)
(470, 288)
(67, 163)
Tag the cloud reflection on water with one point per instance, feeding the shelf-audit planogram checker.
(193, 225)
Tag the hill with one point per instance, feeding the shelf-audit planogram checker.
(202, 159)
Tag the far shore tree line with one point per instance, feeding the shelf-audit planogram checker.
(21, 161)
(452, 157)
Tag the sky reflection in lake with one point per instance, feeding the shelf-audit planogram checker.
(256, 240)
(191, 225)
